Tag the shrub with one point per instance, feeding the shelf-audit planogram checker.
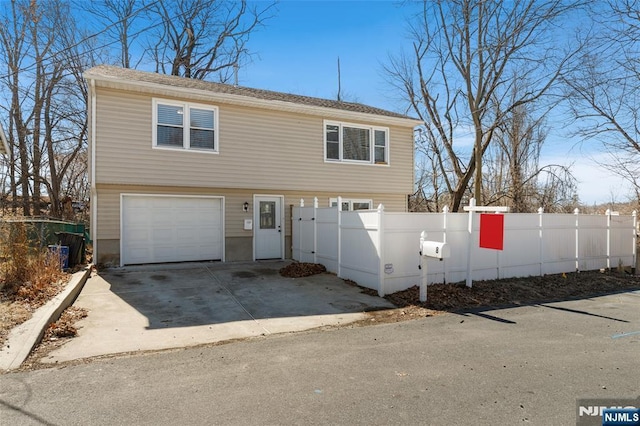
(27, 273)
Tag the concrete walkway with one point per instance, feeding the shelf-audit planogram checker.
(172, 306)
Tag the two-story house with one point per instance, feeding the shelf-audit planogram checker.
(188, 170)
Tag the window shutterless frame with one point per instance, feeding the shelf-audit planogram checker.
(185, 126)
(355, 143)
(351, 204)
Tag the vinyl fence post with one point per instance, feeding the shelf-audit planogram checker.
(576, 212)
(472, 203)
(340, 237)
(315, 229)
(381, 260)
(300, 227)
(541, 241)
(608, 213)
(635, 241)
(445, 211)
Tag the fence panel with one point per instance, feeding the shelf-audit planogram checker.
(401, 248)
(622, 242)
(359, 247)
(592, 242)
(558, 243)
(522, 255)
(379, 250)
(327, 238)
(303, 227)
(457, 236)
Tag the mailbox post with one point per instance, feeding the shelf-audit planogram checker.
(432, 249)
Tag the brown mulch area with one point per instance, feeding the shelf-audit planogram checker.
(487, 294)
(302, 269)
(517, 291)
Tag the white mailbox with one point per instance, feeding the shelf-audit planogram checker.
(436, 249)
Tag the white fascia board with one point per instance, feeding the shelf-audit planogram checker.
(248, 101)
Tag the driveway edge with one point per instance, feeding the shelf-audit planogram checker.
(27, 335)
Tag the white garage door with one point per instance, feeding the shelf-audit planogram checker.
(158, 229)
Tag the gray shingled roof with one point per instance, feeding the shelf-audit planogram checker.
(124, 74)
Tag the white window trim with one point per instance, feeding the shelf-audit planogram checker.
(186, 107)
(351, 201)
(372, 142)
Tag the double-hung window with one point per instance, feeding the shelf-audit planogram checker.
(356, 143)
(182, 125)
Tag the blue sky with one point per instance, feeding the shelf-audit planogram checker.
(297, 52)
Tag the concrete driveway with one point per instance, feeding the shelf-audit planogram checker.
(172, 306)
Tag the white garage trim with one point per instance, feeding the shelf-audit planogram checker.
(218, 226)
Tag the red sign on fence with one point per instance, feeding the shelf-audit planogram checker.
(492, 231)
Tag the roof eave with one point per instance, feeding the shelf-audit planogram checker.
(256, 102)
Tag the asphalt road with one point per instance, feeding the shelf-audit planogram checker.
(525, 365)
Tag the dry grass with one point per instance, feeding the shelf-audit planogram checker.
(29, 278)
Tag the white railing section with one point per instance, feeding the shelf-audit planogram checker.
(379, 249)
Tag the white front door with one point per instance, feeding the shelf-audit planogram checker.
(268, 234)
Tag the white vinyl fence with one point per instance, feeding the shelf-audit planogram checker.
(380, 250)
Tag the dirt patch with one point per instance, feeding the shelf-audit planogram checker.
(517, 291)
(443, 298)
(56, 335)
(302, 269)
(18, 303)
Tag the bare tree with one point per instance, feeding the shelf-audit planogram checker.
(203, 38)
(16, 45)
(119, 21)
(459, 75)
(513, 175)
(47, 120)
(605, 89)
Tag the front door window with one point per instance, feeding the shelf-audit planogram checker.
(267, 215)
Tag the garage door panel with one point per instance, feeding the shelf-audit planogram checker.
(171, 229)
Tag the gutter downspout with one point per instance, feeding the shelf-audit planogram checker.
(94, 193)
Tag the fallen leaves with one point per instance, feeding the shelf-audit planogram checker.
(516, 291)
(302, 269)
(65, 326)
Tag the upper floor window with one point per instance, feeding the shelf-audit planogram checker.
(349, 204)
(183, 125)
(356, 143)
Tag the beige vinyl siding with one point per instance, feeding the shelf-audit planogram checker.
(109, 205)
(265, 150)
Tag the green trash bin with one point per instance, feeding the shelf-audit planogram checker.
(76, 244)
